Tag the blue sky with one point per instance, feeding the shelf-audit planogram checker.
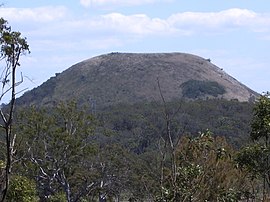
(235, 34)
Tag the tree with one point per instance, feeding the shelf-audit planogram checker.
(113, 169)
(205, 171)
(168, 144)
(255, 158)
(13, 45)
(59, 150)
(261, 120)
(251, 160)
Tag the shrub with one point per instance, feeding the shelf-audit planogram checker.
(195, 89)
(22, 189)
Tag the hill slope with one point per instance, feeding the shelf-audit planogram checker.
(133, 77)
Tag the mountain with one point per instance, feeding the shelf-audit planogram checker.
(131, 78)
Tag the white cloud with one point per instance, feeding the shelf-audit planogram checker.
(106, 3)
(179, 24)
(186, 23)
(41, 14)
(219, 21)
(85, 3)
(56, 21)
(58, 39)
(54, 29)
(139, 24)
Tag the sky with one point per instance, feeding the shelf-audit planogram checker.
(234, 34)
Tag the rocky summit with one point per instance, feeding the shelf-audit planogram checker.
(139, 77)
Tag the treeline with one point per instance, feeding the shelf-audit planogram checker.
(141, 124)
(67, 153)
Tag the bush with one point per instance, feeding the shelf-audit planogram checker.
(22, 189)
(195, 89)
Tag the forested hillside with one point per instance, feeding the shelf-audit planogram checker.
(141, 152)
(224, 118)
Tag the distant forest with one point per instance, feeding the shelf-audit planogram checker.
(180, 151)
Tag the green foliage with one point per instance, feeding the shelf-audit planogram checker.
(204, 173)
(196, 89)
(12, 46)
(137, 126)
(120, 156)
(114, 171)
(58, 148)
(58, 197)
(66, 156)
(231, 195)
(261, 119)
(22, 189)
(2, 165)
(255, 159)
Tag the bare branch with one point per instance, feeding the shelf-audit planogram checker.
(3, 117)
(21, 91)
(162, 97)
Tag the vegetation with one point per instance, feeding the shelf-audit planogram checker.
(205, 171)
(12, 46)
(196, 89)
(149, 151)
(255, 158)
(138, 126)
(58, 148)
(72, 155)
(22, 189)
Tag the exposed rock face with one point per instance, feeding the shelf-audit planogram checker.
(133, 77)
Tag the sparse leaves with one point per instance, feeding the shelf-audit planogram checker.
(12, 46)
